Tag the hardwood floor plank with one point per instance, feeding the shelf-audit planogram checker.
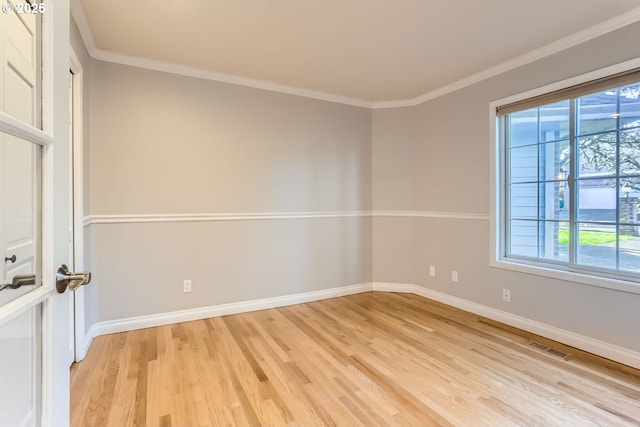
(370, 373)
(371, 359)
(165, 421)
(230, 395)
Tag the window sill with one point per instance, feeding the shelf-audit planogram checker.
(554, 272)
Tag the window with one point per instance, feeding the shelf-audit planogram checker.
(570, 179)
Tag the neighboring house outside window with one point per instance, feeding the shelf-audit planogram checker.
(569, 179)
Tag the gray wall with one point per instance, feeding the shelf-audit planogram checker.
(164, 144)
(436, 157)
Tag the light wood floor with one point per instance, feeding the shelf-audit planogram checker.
(368, 359)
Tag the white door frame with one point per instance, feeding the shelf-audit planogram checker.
(77, 81)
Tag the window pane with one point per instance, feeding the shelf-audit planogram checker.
(554, 160)
(20, 206)
(630, 106)
(597, 200)
(597, 155)
(630, 224)
(523, 238)
(554, 121)
(524, 201)
(628, 193)
(630, 158)
(630, 248)
(523, 164)
(554, 201)
(554, 240)
(597, 245)
(523, 128)
(20, 62)
(19, 370)
(597, 112)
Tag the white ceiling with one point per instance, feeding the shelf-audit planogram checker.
(367, 50)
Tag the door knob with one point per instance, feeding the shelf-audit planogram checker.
(12, 258)
(65, 279)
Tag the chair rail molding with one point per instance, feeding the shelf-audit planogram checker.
(244, 216)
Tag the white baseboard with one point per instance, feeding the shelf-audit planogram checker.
(88, 340)
(591, 345)
(141, 322)
(84, 344)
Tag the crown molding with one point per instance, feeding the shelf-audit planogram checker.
(557, 46)
(83, 26)
(575, 39)
(199, 73)
(134, 61)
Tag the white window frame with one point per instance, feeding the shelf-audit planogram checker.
(497, 192)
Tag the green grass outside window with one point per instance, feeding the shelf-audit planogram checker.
(591, 237)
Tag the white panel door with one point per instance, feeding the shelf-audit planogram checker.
(34, 214)
(20, 188)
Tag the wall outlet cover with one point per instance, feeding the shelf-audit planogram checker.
(186, 286)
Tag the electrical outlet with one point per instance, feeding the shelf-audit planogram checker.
(186, 286)
(432, 271)
(506, 295)
(454, 276)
